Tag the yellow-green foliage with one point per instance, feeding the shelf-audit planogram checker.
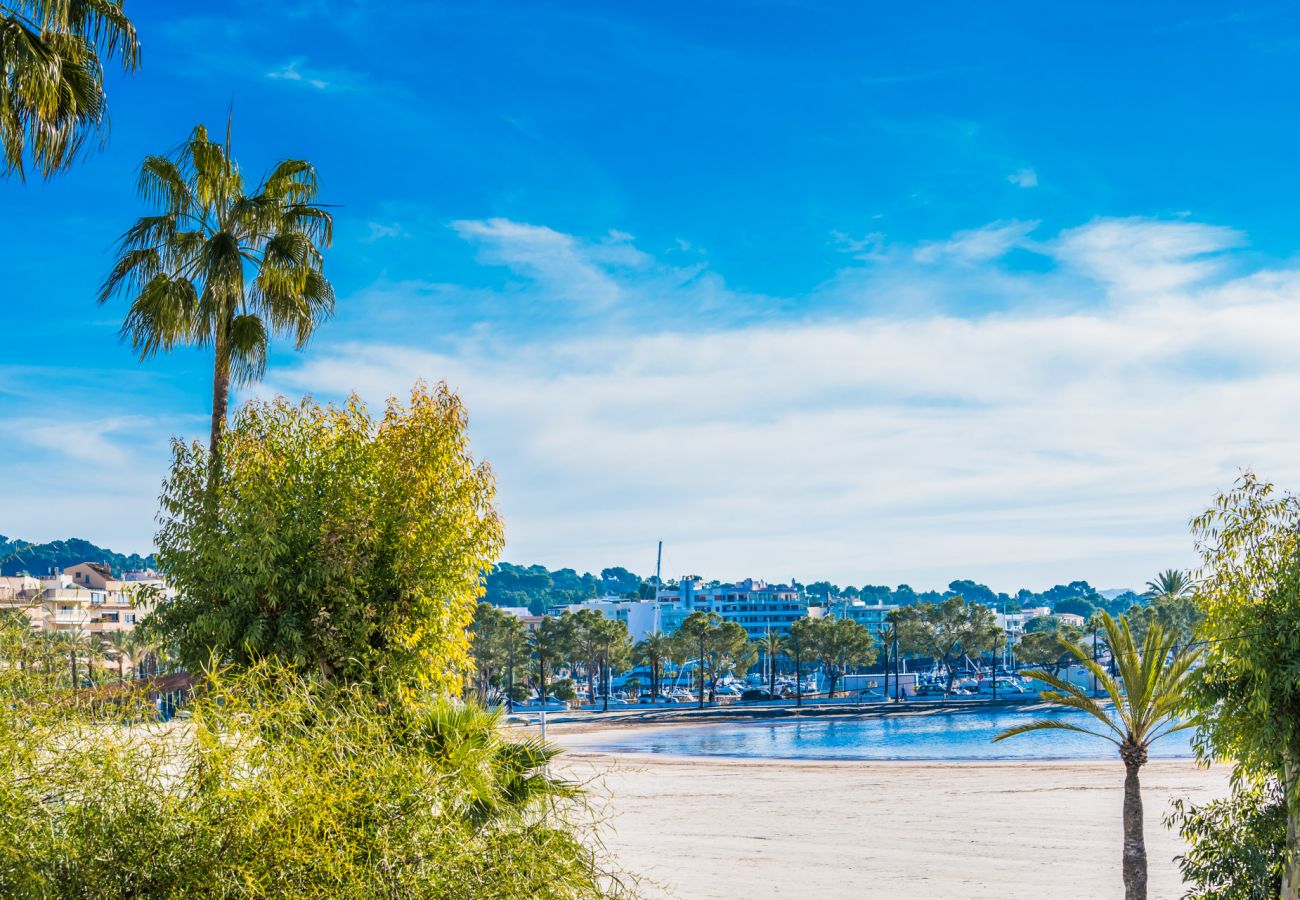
(278, 785)
(350, 548)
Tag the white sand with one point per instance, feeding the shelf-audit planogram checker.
(716, 828)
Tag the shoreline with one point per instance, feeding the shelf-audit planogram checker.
(714, 828)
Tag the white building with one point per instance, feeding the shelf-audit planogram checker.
(642, 617)
(755, 605)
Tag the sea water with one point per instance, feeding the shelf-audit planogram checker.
(940, 735)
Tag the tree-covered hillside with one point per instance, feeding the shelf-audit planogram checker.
(539, 588)
(18, 557)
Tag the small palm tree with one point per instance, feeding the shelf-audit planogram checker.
(1150, 690)
(123, 648)
(772, 646)
(1169, 584)
(219, 266)
(654, 650)
(52, 77)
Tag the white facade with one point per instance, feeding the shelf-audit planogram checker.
(642, 617)
(755, 605)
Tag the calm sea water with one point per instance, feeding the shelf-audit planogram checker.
(939, 736)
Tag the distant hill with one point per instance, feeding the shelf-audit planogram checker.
(16, 557)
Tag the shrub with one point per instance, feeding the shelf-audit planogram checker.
(281, 786)
(351, 549)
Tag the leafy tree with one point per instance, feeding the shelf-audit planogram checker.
(798, 644)
(1152, 685)
(726, 646)
(840, 645)
(52, 55)
(347, 547)
(1236, 844)
(1249, 543)
(551, 644)
(946, 631)
(1179, 615)
(1047, 649)
(1078, 606)
(655, 649)
(498, 640)
(598, 643)
(973, 591)
(218, 266)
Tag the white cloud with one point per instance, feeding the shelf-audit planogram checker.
(291, 71)
(556, 261)
(979, 244)
(1070, 440)
(1025, 178)
(378, 231)
(1142, 257)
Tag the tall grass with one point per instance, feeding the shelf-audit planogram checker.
(275, 785)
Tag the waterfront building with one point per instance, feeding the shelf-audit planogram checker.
(642, 617)
(872, 616)
(82, 599)
(755, 605)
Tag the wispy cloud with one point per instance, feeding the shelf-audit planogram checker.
(292, 71)
(1025, 178)
(1013, 445)
(378, 231)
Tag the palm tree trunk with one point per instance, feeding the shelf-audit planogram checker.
(1135, 851)
(220, 401)
(1291, 870)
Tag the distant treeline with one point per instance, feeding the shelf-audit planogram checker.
(539, 588)
(18, 557)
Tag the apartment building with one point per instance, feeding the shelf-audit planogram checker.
(83, 599)
(755, 605)
(642, 617)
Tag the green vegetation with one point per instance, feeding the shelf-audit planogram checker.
(1152, 686)
(1236, 845)
(499, 643)
(720, 647)
(184, 269)
(1249, 541)
(52, 55)
(656, 650)
(839, 645)
(284, 786)
(348, 548)
(946, 632)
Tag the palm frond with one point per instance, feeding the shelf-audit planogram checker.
(1051, 725)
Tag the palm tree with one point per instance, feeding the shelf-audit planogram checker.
(1169, 584)
(222, 267)
(772, 646)
(52, 77)
(123, 644)
(1151, 686)
(654, 650)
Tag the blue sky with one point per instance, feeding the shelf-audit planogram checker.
(876, 292)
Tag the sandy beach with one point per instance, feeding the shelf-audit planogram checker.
(723, 828)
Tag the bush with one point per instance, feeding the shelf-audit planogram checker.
(1237, 845)
(280, 786)
(352, 549)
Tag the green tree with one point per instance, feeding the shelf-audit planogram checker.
(946, 631)
(1236, 845)
(551, 645)
(122, 645)
(1046, 649)
(839, 645)
(725, 647)
(1152, 686)
(1249, 589)
(597, 642)
(345, 546)
(655, 649)
(798, 646)
(222, 267)
(52, 55)
(498, 640)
